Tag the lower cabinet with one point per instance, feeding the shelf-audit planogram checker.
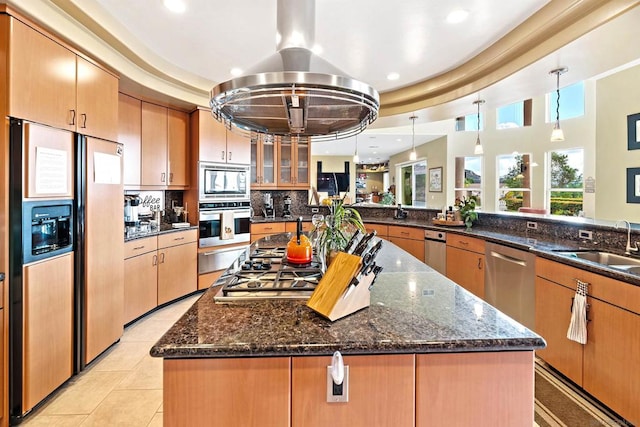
(465, 262)
(394, 390)
(158, 270)
(264, 229)
(606, 365)
(408, 238)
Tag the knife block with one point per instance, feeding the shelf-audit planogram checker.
(330, 299)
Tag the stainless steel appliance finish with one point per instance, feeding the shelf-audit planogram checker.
(218, 259)
(223, 182)
(294, 93)
(510, 282)
(211, 218)
(435, 250)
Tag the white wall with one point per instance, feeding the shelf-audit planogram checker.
(334, 164)
(618, 96)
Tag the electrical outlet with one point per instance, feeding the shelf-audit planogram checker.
(532, 225)
(315, 210)
(338, 393)
(584, 234)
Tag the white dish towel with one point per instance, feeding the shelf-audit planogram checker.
(578, 326)
(227, 225)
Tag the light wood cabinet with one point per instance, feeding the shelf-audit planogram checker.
(465, 262)
(51, 84)
(293, 164)
(47, 328)
(140, 278)
(154, 137)
(263, 229)
(381, 392)
(613, 334)
(292, 227)
(177, 271)
(381, 230)
(129, 135)
(178, 130)
(408, 238)
(264, 166)
(212, 142)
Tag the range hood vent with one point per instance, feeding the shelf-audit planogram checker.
(294, 93)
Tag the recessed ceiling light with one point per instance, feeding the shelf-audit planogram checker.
(393, 76)
(457, 15)
(235, 72)
(175, 6)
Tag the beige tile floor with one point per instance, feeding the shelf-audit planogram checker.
(123, 387)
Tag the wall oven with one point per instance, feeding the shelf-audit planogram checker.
(224, 223)
(224, 182)
(47, 229)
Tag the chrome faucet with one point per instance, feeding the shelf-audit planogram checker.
(628, 249)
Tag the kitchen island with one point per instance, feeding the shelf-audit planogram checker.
(426, 352)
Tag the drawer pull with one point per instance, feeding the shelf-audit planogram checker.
(462, 242)
(268, 228)
(178, 238)
(137, 248)
(406, 233)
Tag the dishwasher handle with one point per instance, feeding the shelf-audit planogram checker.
(509, 259)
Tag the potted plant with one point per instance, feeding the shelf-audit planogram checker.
(337, 229)
(467, 208)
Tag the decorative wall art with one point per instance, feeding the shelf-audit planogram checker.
(435, 180)
(633, 131)
(633, 185)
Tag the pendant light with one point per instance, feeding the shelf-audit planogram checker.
(356, 158)
(413, 155)
(557, 134)
(478, 149)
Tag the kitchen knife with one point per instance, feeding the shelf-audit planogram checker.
(352, 242)
(362, 246)
(376, 269)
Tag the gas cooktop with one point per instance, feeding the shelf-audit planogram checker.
(268, 275)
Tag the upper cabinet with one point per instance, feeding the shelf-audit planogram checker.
(294, 158)
(263, 163)
(155, 144)
(50, 84)
(212, 142)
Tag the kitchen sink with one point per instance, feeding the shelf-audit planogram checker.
(632, 265)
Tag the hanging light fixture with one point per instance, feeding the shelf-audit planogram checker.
(356, 158)
(557, 134)
(413, 155)
(478, 149)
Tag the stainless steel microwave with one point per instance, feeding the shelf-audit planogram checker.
(224, 182)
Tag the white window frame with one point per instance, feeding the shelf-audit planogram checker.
(549, 189)
(500, 189)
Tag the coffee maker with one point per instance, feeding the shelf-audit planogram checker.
(267, 206)
(286, 210)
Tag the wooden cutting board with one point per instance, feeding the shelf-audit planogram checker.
(334, 282)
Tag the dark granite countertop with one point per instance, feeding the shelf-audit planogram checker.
(261, 219)
(164, 228)
(414, 309)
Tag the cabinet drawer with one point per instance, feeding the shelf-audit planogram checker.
(382, 230)
(268, 228)
(140, 246)
(604, 288)
(177, 238)
(406, 232)
(464, 242)
(291, 227)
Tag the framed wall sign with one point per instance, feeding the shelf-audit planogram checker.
(435, 180)
(633, 131)
(633, 185)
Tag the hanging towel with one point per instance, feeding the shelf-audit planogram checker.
(578, 326)
(227, 225)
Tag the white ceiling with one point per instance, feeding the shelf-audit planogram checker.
(368, 39)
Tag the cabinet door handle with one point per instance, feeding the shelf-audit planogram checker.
(162, 258)
(137, 248)
(155, 260)
(178, 238)
(163, 177)
(171, 177)
(73, 117)
(229, 156)
(83, 116)
(222, 156)
(463, 243)
(479, 263)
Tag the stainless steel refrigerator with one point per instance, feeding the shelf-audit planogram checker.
(65, 308)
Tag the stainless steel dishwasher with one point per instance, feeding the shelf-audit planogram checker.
(510, 282)
(435, 250)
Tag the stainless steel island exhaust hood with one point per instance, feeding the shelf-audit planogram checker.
(294, 93)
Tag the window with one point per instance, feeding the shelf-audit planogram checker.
(469, 178)
(571, 102)
(469, 122)
(514, 115)
(413, 184)
(566, 183)
(514, 182)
